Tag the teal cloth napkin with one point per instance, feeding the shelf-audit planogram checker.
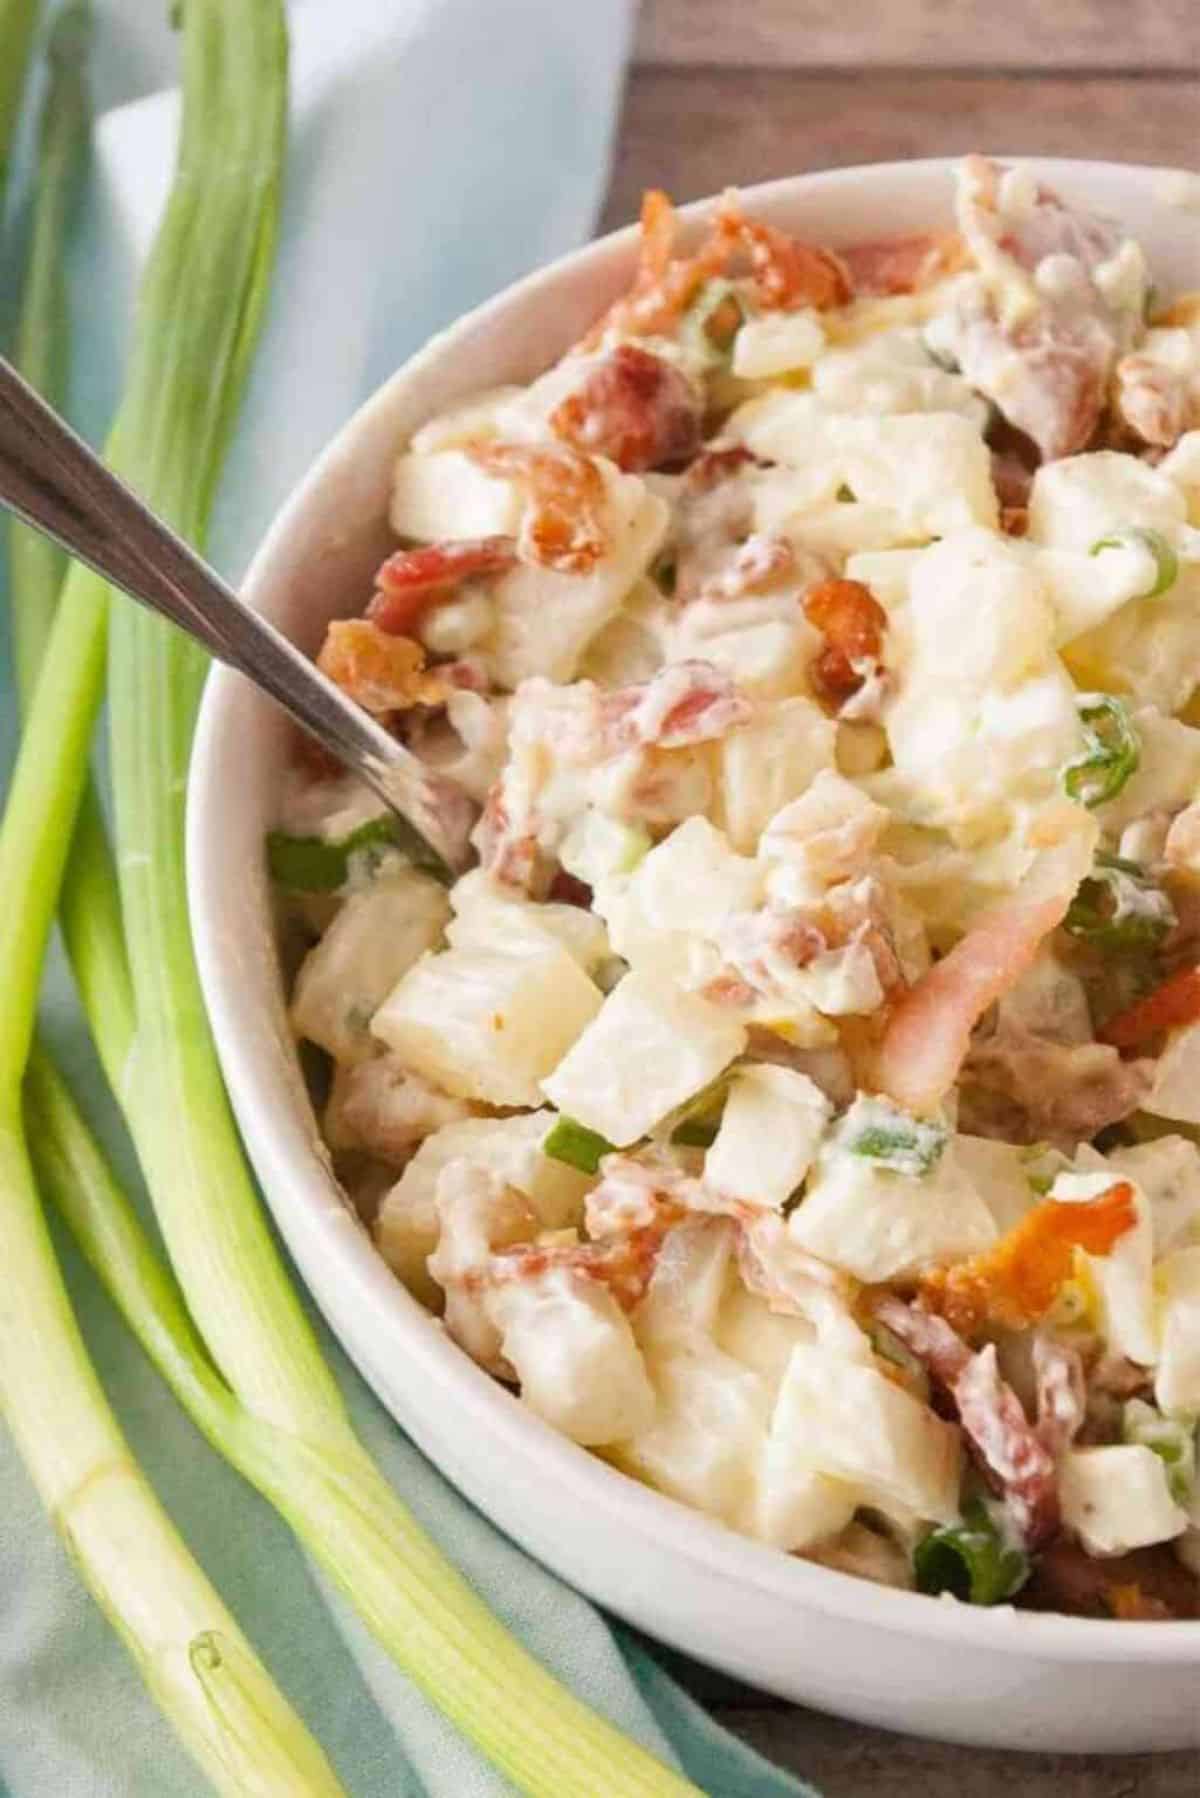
(439, 149)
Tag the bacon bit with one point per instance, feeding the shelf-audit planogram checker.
(990, 1412)
(1061, 1393)
(624, 1264)
(895, 265)
(786, 274)
(563, 527)
(1015, 1282)
(634, 408)
(412, 580)
(1175, 1002)
(852, 622)
(756, 565)
(687, 703)
(1066, 1578)
(712, 466)
(510, 857)
(379, 672)
(928, 1033)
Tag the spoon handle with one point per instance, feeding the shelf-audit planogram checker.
(52, 480)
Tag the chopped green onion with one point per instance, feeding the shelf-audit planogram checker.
(713, 320)
(695, 1133)
(695, 1123)
(575, 1144)
(880, 1132)
(315, 865)
(845, 493)
(1136, 536)
(1112, 750)
(1173, 1440)
(1119, 909)
(970, 1559)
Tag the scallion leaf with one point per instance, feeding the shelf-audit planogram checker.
(1112, 750)
(970, 1559)
(713, 320)
(575, 1144)
(1136, 536)
(880, 1132)
(316, 865)
(1173, 1440)
(1118, 909)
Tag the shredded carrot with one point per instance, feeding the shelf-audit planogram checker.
(1175, 1002)
(1015, 1282)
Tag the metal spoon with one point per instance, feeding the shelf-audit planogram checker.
(51, 480)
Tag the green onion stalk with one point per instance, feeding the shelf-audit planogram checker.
(18, 26)
(250, 1371)
(189, 1649)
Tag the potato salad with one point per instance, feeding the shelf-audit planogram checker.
(797, 1103)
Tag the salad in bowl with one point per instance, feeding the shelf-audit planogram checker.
(797, 1104)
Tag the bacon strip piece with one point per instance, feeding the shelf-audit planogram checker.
(786, 274)
(634, 408)
(380, 672)
(852, 622)
(1061, 1393)
(991, 1414)
(412, 580)
(563, 526)
(1015, 1282)
(894, 265)
(1175, 1002)
(685, 703)
(928, 1034)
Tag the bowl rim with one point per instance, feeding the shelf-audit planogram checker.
(297, 1185)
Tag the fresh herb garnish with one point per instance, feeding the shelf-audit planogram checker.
(1111, 752)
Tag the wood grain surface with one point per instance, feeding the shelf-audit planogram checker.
(737, 91)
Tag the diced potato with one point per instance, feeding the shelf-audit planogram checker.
(486, 1025)
(1116, 1498)
(932, 468)
(1177, 1381)
(467, 422)
(776, 343)
(545, 620)
(773, 1121)
(1167, 1173)
(893, 372)
(574, 1354)
(883, 1225)
(693, 881)
(768, 762)
(382, 1106)
(1182, 466)
(1150, 648)
(707, 1431)
(752, 1333)
(690, 1280)
(999, 1173)
(845, 1419)
(375, 938)
(1077, 500)
(766, 657)
(820, 839)
(489, 916)
(447, 495)
(1122, 1279)
(1176, 1090)
(651, 1047)
(978, 613)
(407, 1226)
(796, 1508)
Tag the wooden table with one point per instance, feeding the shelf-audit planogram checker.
(729, 91)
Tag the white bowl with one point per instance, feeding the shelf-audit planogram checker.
(930, 1667)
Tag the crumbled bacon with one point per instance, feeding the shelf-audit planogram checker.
(624, 1264)
(893, 265)
(929, 1032)
(687, 703)
(755, 565)
(1174, 1003)
(380, 672)
(1061, 1393)
(635, 408)
(412, 580)
(717, 464)
(563, 526)
(1015, 1282)
(852, 622)
(992, 1416)
(1154, 401)
(785, 274)
(510, 855)
(1146, 1585)
(1020, 1087)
